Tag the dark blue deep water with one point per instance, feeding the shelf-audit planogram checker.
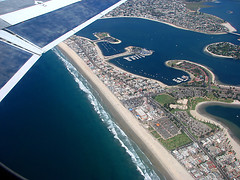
(52, 127)
(50, 130)
(228, 115)
(229, 10)
(168, 43)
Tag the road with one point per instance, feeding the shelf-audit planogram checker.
(193, 139)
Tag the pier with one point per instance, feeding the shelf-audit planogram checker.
(126, 53)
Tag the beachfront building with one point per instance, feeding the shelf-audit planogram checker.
(128, 88)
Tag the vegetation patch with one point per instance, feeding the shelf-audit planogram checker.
(176, 141)
(193, 102)
(165, 99)
(212, 126)
(155, 134)
(195, 5)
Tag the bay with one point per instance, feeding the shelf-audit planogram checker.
(227, 114)
(225, 9)
(167, 43)
(50, 129)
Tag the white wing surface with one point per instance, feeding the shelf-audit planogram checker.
(29, 28)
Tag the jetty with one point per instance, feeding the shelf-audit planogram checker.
(136, 52)
(234, 33)
(126, 53)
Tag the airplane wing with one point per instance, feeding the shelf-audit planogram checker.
(30, 28)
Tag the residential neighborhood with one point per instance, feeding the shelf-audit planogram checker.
(202, 148)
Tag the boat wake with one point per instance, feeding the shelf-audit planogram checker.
(143, 166)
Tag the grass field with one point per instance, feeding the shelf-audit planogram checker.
(194, 6)
(176, 141)
(165, 99)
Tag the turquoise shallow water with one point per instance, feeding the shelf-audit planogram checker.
(52, 127)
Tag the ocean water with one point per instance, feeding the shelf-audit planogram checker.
(53, 127)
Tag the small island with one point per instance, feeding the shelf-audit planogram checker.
(224, 50)
(164, 114)
(104, 36)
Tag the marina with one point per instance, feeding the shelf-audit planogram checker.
(67, 101)
(181, 79)
(133, 58)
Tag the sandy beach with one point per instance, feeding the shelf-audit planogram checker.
(215, 55)
(157, 154)
(228, 25)
(195, 113)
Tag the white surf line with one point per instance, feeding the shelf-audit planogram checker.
(11, 171)
(17, 76)
(78, 28)
(35, 10)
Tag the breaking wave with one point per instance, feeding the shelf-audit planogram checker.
(130, 147)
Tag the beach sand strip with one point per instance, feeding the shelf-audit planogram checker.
(158, 155)
(195, 113)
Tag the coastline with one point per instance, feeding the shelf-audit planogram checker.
(228, 25)
(215, 55)
(157, 154)
(195, 113)
(213, 77)
(118, 68)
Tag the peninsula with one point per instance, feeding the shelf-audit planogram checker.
(158, 118)
(175, 13)
(163, 120)
(105, 37)
(159, 156)
(131, 53)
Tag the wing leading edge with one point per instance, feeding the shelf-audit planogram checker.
(22, 43)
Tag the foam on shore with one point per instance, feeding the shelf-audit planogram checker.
(159, 156)
(123, 139)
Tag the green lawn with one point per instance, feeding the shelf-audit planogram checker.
(155, 134)
(193, 102)
(212, 126)
(194, 6)
(165, 99)
(176, 141)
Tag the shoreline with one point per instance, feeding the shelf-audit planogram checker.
(157, 154)
(215, 55)
(203, 117)
(175, 26)
(118, 68)
(213, 77)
